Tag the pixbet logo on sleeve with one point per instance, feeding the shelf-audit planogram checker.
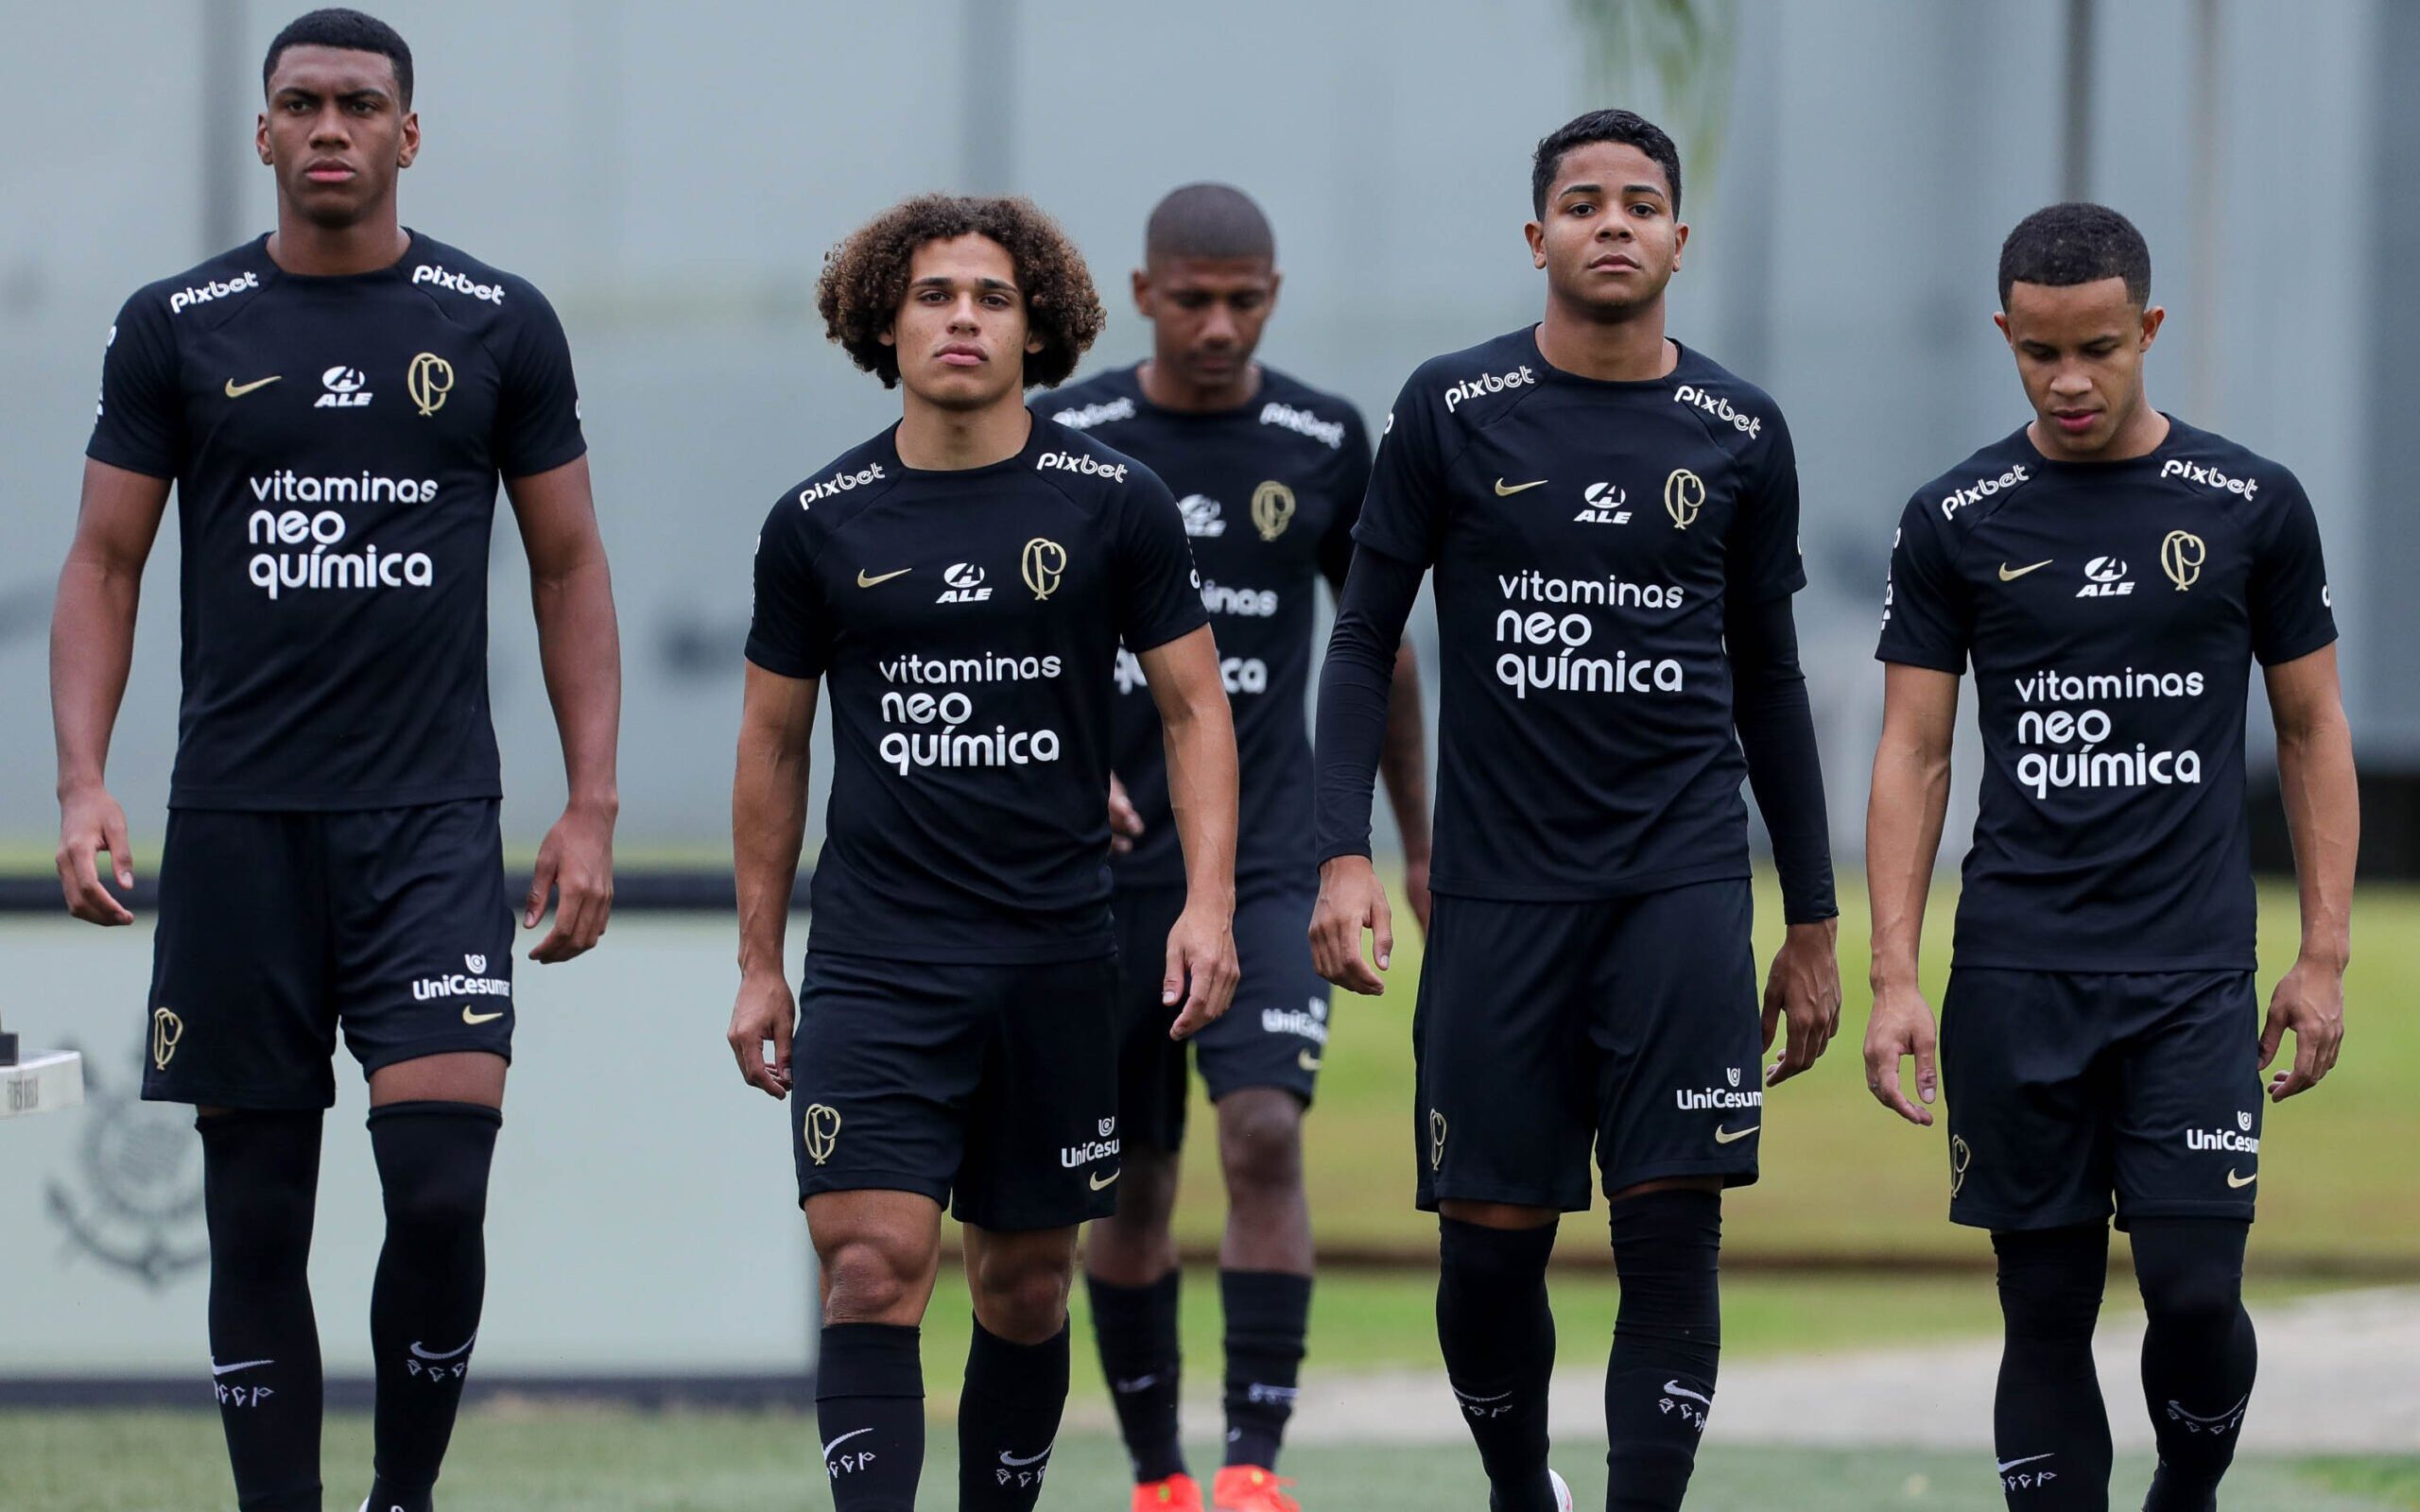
(839, 483)
(203, 294)
(1078, 462)
(1486, 382)
(1719, 407)
(447, 279)
(1981, 489)
(2208, 477)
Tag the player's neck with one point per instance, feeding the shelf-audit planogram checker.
(1620, 350)
(1162, 385)
(2144, 432)
(934, 440)
(301, 246)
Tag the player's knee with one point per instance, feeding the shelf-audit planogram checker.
(432, 1160)
(1022, 1297)
(2190, 1272)
(2050, 1280)
(867, 1281)
(1260, 1143)
(260, 1188)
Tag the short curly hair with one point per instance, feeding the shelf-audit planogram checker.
(865, 278)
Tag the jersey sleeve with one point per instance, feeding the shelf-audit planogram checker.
(139, 424)
(1762, 555)
(1352, 473)
(1159, 594)
(789, 628)
(537, 422)
(2287, 597)
(1403, 512)
(1927, 619)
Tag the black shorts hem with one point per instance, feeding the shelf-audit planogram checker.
(1300, 1083)
(250, 1099)
(1733, 1173)
(2002, 1221)
(422, 1049)
(2129, 1211)
(1094, 1206)
(1516, 1196)
(819, 1182)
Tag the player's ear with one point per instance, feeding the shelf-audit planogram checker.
(888, 334)
(2152, 320)
(1536, 233)
(410, 147)
(1145, 305)
(260, 139)
(1999, 317)
(1276, 281)
(1680, 241)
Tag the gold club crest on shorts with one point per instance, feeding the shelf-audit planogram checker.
(822, 1131)
(167, 1029)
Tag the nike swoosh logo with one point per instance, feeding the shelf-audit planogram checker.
(1501, 1396)
(468, 1017)
(2010, 574)
(236, 390)
(1128, 1388)
(843, 1439)
(1724, 1136)
(2234, 1180)
(1673, 1388)
(1100, 1183)
(1306, 1061)
(863, 582)
(1506, 492)
(217, 1369)
(2007, 1464)
(448, 1354)
(1014, 1463)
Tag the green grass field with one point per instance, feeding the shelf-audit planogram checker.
(545, 1460)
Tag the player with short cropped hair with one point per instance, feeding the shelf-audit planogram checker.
(1270, 475)
(335, 402)
(2112, 572)
(960, 584)
(1613, 521)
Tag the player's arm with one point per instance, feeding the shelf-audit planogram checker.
(580, 646)
(768, 828)
(1403, 761)
(1903, 821)
(1357, 688)
(92, 647)
(1777, 737)
(1199, 731)
(2324, 813)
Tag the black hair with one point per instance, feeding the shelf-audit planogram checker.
(1207, 220)
(350, 30)
(2075, 243)
(1626, 127)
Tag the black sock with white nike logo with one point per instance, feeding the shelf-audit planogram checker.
(260, 1180)
(2199, 1352)
(433, 1159)
(870, 1406)
(2050, 1428)
(1007, 1418)
(1136, 1327)
(1267, 1313)
(1497, 1332)
(1667, 1338)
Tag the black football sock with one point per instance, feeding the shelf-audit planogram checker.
(260, 1180)
(2049, 1427)
(2199, 1353)
(1496, 1333)
(1668, 1339)
(870, 1407)
(1268, 1314)
(433, 1159)
(1007, 1418)
(1135, 1327)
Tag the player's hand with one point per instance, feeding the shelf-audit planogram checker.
(1415, 890)
(2309, 1001)
(1804, 988)
(1902, 1026)
(763, 1016)
(577, 864)
(90, 822)
(1125, 820)
(1202, 970)
(1350, 901)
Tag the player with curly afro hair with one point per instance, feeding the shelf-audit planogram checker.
(865, 281)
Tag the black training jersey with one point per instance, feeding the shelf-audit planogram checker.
(1585, 534)
(2112, 611)
(1269, 492)
(964, 624)
(335, 444)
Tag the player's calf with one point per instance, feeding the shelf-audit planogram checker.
(1016, 1365)
(1668, 1339)
(2049, 1428)
(2199, 1352)
(1264, 1277)
(260, 1181)
(432, 1160)
(1131, 1274)
(1496, 1333)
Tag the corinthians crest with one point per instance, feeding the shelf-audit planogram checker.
(133, 1198)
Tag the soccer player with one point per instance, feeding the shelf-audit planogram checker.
(1612, 521)
(962, 581)
(1270, 473)
(334, 403)
(2112, 572)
